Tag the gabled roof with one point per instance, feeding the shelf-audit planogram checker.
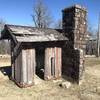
(32, 34)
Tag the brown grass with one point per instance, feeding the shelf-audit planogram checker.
(5, 61)
(88, 90)
(92, 61)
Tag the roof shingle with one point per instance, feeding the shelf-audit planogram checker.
(32, 34)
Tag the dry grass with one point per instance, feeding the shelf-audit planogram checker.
(46, 91)
(92, 61)
(88, 90)
(5, 61)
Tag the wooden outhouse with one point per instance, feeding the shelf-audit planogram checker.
(34, 51)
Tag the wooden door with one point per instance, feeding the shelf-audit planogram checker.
(28, 68)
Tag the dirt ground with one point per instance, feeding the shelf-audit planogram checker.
(50, 90)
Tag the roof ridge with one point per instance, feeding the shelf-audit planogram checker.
(25, 26)
(18, 25)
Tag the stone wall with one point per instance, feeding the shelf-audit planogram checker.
(74, 28)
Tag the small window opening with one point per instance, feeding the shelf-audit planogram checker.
(52, 66)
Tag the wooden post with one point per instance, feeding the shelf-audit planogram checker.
(98, 39)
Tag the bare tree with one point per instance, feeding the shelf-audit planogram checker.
(4, 44)
(58, 24)
(41, 15)
(89, 28)
(92, 31)
(2, 23)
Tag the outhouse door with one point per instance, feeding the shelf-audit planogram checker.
(52, 63)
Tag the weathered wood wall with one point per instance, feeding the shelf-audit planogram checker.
(56, 54)
(12, 58)
(18, 65)
(28, 66)
(23, 64)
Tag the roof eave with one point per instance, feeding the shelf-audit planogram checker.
(7, 34)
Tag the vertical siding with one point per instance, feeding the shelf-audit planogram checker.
(58, 56)
(28, 54)
(59, 62)
(45, 68)
(56, 53)
(19, 65)
(33, 64)
(28, 67)
(46, 73)
(24, 67)
(15, 69)
(49, 61)
(12, 65)
(56, 62)
(16, 63)
(12, 58)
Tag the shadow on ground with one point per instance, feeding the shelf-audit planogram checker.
(6, 70)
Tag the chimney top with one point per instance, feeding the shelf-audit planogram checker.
(75, 6)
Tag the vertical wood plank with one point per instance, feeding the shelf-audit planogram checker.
(20, 64)
(29, 66)
(18, 68)
(34, 62)
(12, 59)
(47, 73)
(24, 67)
(46, 63)
(31, 70)
(59, 62)
(15, 69)
(56, 62)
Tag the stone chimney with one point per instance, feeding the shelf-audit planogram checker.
(74, 25)
(74, 28)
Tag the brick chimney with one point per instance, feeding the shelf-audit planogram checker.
(74, 25)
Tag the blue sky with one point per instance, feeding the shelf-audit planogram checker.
(19, 11)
